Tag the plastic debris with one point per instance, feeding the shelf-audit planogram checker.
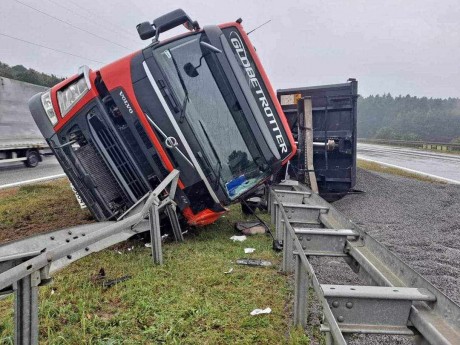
(148, 245)
(261, 311)
(249, 250)
(238, 238)
(229, 271)
(250, 228)
(253, 262)
(100, 276)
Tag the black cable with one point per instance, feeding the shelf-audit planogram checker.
(53, 49)
(71, 25)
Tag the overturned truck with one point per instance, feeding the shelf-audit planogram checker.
(200, 103)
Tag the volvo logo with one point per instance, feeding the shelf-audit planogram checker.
(126, 103)
(171, 142)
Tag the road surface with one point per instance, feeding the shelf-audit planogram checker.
(443, 165)
(433, 163)
(17, 172)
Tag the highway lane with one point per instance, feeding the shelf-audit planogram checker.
(443, 165)
(17, 172)
(434, 163)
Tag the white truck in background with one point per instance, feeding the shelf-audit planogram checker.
(20, 138)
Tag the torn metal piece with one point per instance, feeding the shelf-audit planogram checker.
(254, 262)
(109, 283)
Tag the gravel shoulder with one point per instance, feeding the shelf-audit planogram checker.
(418, 221)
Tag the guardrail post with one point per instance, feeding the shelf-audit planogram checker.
(171, 212)
(329, 339)
(26, 310)
(300, 293)
(288, 249)
(279, 226)
(155, 235)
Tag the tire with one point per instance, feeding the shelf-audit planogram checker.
(33, 158)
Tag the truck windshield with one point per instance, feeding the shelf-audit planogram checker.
(213, 113)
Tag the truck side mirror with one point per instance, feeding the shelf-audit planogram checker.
(165, 23)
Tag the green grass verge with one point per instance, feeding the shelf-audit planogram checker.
(188, 300)
(366, 165)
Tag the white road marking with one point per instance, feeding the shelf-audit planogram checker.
(420, 173)
(35, 180)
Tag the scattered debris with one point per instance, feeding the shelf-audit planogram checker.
(253, 262)
(249, 250)
(99, 276)
(119, 252)
(109, 283)
(250, 228)
(148, 245)
(238, 238)
(229, 271)
(261, 311)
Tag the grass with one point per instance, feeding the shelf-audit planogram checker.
(38, 208)
(188, 300)
(363, 164)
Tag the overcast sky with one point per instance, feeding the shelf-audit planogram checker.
(401, 47)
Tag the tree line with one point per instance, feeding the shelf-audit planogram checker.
(379, 117)
(28, 75)
(409, 118)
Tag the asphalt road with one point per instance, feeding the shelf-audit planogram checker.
(439, 164)
(17, 172)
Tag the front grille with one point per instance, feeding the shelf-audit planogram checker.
(100, 175)
(119, 159)
(74, 177)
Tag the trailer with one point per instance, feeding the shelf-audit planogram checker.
(332, 110)
(20, 138)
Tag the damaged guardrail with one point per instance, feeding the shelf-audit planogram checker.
(397, 300)
(27, 264)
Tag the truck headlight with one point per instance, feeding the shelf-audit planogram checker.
(71, 94)
(48, 105)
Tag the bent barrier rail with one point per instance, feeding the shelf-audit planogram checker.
(27, 264)
(417, 144)
(397, 300)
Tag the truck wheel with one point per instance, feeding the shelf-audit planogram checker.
(33, 157)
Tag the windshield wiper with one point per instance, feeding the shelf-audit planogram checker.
(186, 98)
(219, 170)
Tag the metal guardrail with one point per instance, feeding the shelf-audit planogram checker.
(417, 144)
(27, 264)
(397, 301)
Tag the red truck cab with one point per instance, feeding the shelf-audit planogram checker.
(199, 102)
